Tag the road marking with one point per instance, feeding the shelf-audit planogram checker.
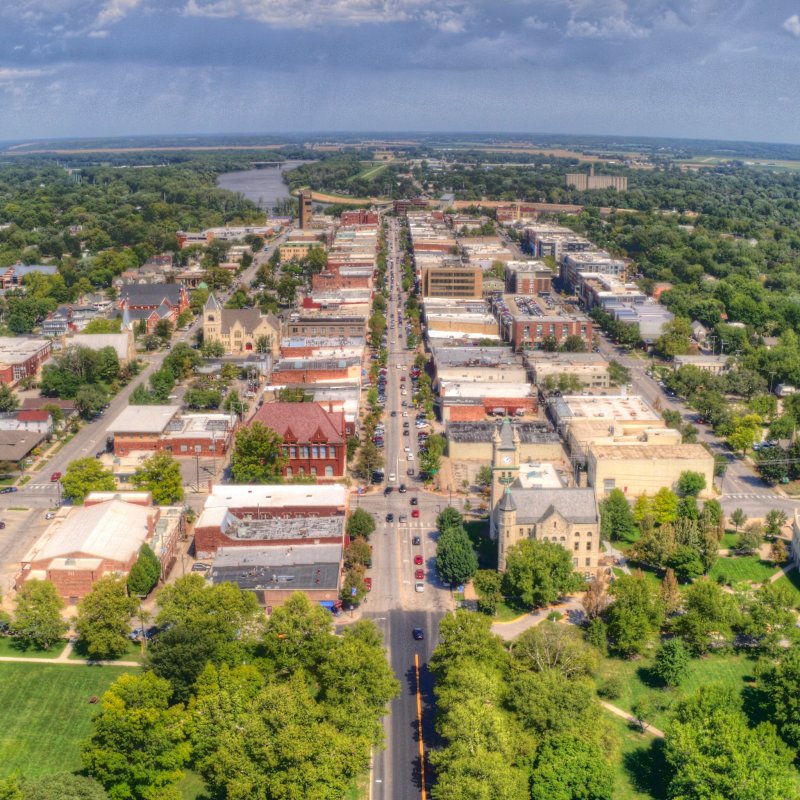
(419, 725)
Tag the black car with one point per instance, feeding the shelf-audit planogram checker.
(394, 413)
(402, 488)
(418, 634)
(416, 540)
(414, 501)
(387, 491)
(390, 517)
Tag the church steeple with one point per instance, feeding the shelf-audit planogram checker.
(505, 464)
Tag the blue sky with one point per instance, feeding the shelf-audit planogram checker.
(694, 68)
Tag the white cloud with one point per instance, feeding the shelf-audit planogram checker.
(113, 11)
(534, 24)
(9, 74)
(792, 25)
(316, 13)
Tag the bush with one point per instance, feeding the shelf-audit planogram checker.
(610, 689)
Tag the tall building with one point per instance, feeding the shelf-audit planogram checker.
(306, 209)
(582, 182)
(457, 282)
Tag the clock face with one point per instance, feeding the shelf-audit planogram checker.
(506, 459)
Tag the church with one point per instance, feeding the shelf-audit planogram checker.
(239, 329)
(544, 510)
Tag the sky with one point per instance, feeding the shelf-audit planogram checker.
(721, 69)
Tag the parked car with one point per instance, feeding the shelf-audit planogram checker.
(368, 584)
(56, 476)
(390, 517)
(199, 566)
(414, 501)
(419, 586)
(414, 513)
(418, 560)
(418, 633)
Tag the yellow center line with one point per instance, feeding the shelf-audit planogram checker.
(419, 725)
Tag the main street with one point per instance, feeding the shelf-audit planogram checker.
(394, 604)
(741, 487)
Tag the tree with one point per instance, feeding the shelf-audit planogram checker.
(358, 553)
(595, 598)
(370, 458)
(750, 539)
(160, 474)
(103, 620)
(674, 339)
(179, 654)
(360, 523)
(616, 519)
(746, 432)
(538, 573)
(144, 573)
(738, 518)
(778, 554)
(449, 517)
(84, 476)
(712, 752)
(62, 786)
(665, 506)
(257, 455)
(138, 747)
(573, 344)
(164, 330)
(686, 563)
(488, 585)
(456, 561)
(670, 593)
(780, 682)
(8, 400)
(690, 484)
(550, 646)
(709, 613)
(618, 373)
(90, 401)
(776, 519)
(484, 478)
(642, 508)
(37, 617)
(463, 637)
(671, 662)
(635, 615)
(569, 768)
(354, 587)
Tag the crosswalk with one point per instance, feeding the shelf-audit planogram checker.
(755, 497)
(39, 487)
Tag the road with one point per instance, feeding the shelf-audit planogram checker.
(394, 604)
(741, 487)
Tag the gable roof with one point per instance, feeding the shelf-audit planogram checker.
(248, 318)
(151, 294)
(33, 415)
(536, 505)
(303, 422)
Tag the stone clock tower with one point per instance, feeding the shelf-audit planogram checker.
(505, 465)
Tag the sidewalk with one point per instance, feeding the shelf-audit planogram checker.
(513, 628)
(630, 718)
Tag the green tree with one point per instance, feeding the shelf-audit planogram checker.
(686, 562)
(616, 518)
(635, 615)
(144, 573)
(569, 768)
(84, 476)
(710, 614)
(160, 474)
(776, 519)
(750, 539)
(358, 553)
(179, 655)
(354, 587)
(538, 573)
(690, 484)
(746, 432)
(488, 584)
(671, 662)
(449, 517)
(138, 747)
(62, 786)
(456, 561)
(103, 620)
(665, 506)
(642, 507)
(618, 373)
(674, 339)
(360, 523)
(37, 616)
(780, 683)
(712, 752)
(90, 401)
(550, 646)
(257, 455)
(463, 637)
(8, 400)
(738, 518)
(484, 479)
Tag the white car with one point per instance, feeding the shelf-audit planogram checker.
(392, 477)
(405, 413)
(410, 457)
(419, 586)
(400, 366)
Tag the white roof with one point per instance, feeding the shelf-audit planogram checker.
(114, 530)
(96, 341)
(275, 495)
(143, 419)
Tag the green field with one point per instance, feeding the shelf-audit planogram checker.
(11, 647)
(791, 580)
(641, 772)
(742, 568)
(47, 714)
(638, 683)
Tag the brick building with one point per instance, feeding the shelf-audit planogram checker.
(526, 322)
(314, 440)
(102, 537)
(528, 277)
(239, 329)
(152, 303)
(361, 216)
(311, 370)
(283, 514)
(22, 358)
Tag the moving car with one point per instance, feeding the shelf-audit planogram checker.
(418, 634)
(418, 560)
(200, 567)
(414, 501)
(390, 517)
(416, 540)
(419, 574)
(419, 586)
(56, 476)
(387, 491)
(368, 584)
(415, 513)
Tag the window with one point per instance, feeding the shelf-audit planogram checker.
(328, 471)
(301, 471)
(323, 451)
(184, 448)
(588, 545)
(574, 562)
(293, 452)
(588, 562)
(288, 472)
(198, 448)
(609, 484)
(314, 451)
(313, 470)
(588, 533)
(577, 546)
(332, 451)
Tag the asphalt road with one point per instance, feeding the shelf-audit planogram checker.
(741, 487)
(394, 604)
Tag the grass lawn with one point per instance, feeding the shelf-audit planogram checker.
(10, 646)
(359, 789)
(485, 547)
(133, 653)
(47, 714)
(506, 611)
(192, 787)
(729, 541)
(792, 580)
(637, 682)
(641, 771)
(742, 568)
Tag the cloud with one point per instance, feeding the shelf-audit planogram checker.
(792, 25)
(8, 74)
(533, 23)
(319, 13)
(113, 11)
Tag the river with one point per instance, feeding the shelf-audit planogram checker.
(263, 186)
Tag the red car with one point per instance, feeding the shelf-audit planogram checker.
(420, 574)
(368, 584)
(418, 560)
(415, 513)
(56, 476)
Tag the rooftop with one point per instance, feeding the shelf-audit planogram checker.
(473, 356)
(276, 496)
(143, 419)
(539, 475)
(16, 349)
(535, 505)
(529, 432)
(605, 407)
(649, 452)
